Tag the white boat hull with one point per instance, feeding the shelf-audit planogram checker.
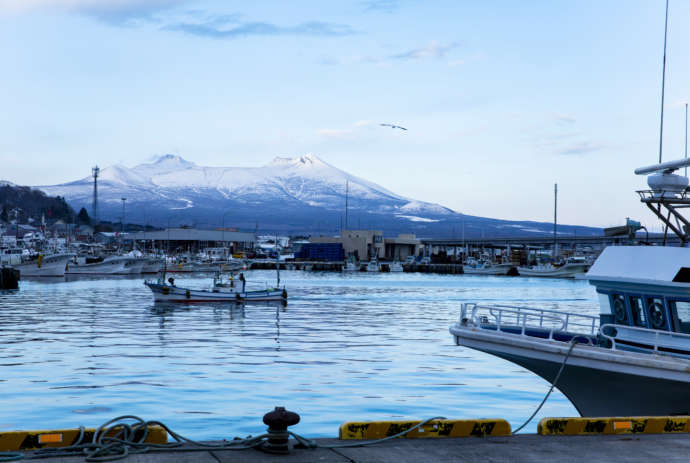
(167, 293)
(500, 269)
(107, 267)
(598, 381)
(565, 271)
(152, 266)
(49, 266)
(396, 267)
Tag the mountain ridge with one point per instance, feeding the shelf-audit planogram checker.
(300, 194)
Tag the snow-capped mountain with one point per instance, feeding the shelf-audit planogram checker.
(289, 194)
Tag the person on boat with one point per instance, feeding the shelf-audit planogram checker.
(244, 282)
(171, 280)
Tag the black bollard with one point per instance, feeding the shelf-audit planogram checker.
(278, 421)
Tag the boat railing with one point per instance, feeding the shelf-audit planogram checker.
(527, 318)
(646, 338)
(651, 195)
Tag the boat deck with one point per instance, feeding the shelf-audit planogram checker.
(641, 448)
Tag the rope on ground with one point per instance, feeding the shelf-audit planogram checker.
(553, 385)
(313, 444)
(11, 456)
(118, 438)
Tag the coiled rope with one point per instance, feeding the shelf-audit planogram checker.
(118, 438)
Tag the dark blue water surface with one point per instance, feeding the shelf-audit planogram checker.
(346, 348)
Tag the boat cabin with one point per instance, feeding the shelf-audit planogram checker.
(644, 286)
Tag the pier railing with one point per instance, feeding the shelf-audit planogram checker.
(505, 317)
(667, 342)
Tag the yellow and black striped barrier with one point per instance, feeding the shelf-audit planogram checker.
(613, 425)
(368, 430)
(34, 440)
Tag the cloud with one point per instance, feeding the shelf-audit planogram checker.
(433, 50)
(115, 12)
(363, 123)
(232, 27)
(564, 119)
(384, 6)
(583, 147)
(335, 133)
(354, 129)
(192, 21)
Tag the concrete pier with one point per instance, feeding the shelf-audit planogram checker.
(641, 448)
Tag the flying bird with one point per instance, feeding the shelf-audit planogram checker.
(393, 126)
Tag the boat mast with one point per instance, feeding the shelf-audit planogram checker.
(277, 263)
(686, 137)
(555, 219)
(663, 82)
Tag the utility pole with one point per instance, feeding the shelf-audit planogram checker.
(122, 224)
(347, 197)
(95, 171)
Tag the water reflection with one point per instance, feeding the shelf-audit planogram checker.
(345, 348)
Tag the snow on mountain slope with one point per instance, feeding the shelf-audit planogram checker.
(306, 180)
(303, 194)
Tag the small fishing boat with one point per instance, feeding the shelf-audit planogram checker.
(372, 266)
(484, 267)
(351, 265)
(220, 292)
(570, 269)
(396, 266)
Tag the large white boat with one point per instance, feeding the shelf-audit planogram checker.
(114, 265)
(152, 265)
(483, 267)
(49, 265)
(634, 358)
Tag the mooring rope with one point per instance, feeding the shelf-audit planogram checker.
(553, 385)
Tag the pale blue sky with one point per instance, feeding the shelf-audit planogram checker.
(501, 98)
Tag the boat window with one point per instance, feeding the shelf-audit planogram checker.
(682, 309)
(639, 317)
(656, 313)
(619, 312)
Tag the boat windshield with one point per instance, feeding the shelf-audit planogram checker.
(682, 309)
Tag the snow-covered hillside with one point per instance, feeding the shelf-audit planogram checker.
(289, 194)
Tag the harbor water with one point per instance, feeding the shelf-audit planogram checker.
(346, 348)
